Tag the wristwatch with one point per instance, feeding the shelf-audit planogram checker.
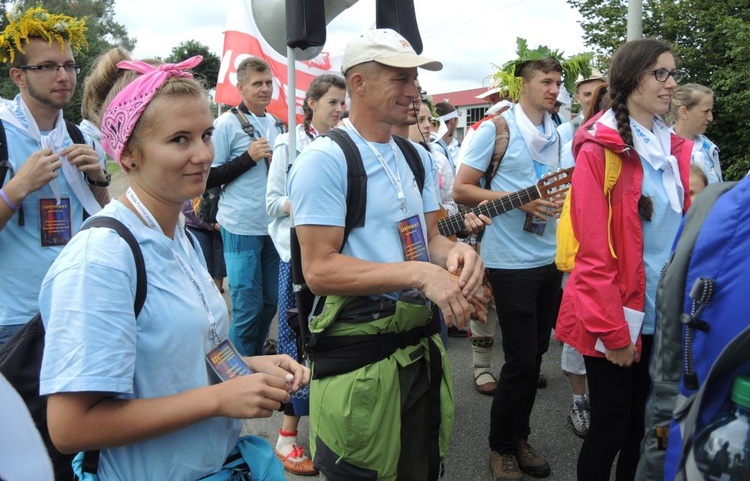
(99, 183)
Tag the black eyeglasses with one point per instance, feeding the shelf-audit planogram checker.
(53, 68)
(662, 74)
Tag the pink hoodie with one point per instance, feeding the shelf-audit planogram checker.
(599, 286)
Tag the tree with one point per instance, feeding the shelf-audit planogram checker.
(102, 34)
(711, 43)
(208, 70)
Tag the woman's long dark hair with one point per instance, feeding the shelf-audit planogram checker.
(317, 89)
(629, 63)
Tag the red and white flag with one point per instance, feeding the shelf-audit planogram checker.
(242, 39)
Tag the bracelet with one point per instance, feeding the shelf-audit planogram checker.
(99, 183)
(9, 202)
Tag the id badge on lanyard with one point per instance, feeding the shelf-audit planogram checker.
(55, 223)
(532, 223)
(224, 358)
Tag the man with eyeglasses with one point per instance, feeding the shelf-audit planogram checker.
(47, 181)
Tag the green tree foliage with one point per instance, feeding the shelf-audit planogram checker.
(712, 44)
(208, 70)
(103, 33)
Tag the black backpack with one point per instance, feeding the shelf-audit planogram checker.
(206, 206)
(356, 203)
(21, 359)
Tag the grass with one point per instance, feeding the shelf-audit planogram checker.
(112, 166)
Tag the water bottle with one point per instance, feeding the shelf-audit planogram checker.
(722, 449)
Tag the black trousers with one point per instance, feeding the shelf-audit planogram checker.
(618, 403)
(526, 301)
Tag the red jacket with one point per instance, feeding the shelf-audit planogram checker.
(599, 286)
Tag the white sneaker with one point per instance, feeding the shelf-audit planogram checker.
(580, 418)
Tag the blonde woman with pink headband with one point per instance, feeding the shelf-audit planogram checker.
(147, 391)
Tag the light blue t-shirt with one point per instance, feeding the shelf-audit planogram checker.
(567, 130)
(706, 155)
(318, 185)
(242, 205)
(95, 343)
(658, 236)
(505, 244)
(23, 259)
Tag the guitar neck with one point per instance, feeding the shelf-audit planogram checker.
(455, 223)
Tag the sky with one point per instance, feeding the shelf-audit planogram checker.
(456, 32)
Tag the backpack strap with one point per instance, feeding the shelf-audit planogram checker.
(502, 140)
(91, 458)
(356, 201)
(356, 189)
(278, 123)
(75, 133)
(612, 169)
(4, 162)
(413, 159)
(140, 265)
(247, 127)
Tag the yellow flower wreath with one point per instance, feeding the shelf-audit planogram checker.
(38, 22)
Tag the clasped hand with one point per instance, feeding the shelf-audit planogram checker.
(453, 297)
(261, 393)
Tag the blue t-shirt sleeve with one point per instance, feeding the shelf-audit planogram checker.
(222, 140)
(86, 302)
(480, 149)
(431, 193)
(317, 187)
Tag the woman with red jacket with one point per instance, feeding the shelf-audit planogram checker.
(608, 307)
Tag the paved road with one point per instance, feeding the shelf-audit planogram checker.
(468, 456)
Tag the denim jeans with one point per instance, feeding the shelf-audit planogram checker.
(253, 273)
(526, 301)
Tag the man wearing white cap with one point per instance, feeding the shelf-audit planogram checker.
(563, 98)
(374, 418)
(584, 90)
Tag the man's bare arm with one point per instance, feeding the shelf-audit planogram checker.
(329, 272)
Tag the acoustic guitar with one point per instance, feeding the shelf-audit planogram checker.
(554, 184)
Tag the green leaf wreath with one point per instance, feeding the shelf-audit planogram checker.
(508, 76)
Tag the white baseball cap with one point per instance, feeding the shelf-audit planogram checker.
(595, 75)
(387, 47)
(490, 91)
(563, 97)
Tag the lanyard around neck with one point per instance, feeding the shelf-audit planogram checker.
(394, 178)
(194, 278)
(262, 126)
